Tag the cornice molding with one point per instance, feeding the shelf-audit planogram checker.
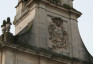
(41, 52)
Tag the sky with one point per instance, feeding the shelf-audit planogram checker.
(85, 22)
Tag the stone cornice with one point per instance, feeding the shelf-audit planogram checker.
(29, 2)
(65, 8)
(42, 53)
(71, 11)
(18, 4)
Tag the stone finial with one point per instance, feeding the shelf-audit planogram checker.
(8, 24)
(3, 27)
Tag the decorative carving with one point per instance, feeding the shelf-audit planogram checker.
(58, 35)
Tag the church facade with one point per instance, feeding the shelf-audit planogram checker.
(46, 32)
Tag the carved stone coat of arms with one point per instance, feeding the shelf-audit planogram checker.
(57, 34)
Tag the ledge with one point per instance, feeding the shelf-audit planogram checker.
(64, 7)
(42, 52)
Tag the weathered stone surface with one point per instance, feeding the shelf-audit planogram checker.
(34, 39)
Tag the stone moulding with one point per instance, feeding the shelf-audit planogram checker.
(42, 52)
(64, 7)
(20, 15)
(23, 47)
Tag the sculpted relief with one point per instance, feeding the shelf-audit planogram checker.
(57, 34)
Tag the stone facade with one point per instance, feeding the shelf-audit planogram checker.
(46, 33)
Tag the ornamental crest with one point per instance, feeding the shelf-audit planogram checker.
(58, 35)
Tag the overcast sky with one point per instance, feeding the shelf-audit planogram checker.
(85, 22)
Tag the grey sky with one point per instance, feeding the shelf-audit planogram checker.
(85, 22)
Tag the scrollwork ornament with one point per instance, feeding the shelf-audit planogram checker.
(58, 35)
